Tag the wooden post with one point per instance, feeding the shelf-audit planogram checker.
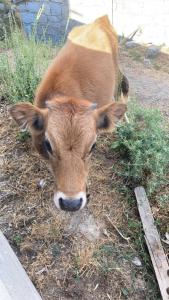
(152, 238)
(14, 282)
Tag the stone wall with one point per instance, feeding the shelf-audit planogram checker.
(50, 23)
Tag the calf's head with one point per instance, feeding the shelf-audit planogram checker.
(65, 134)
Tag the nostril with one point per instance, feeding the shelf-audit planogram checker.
(70, 204)
(61, 203)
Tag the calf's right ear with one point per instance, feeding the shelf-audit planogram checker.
(30, 117)
(108, 115)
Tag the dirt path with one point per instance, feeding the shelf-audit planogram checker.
(148, 85)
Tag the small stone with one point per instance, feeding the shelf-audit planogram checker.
(167, 236)
(147, 62)
(2, 6)
(96, 287)
(152, 51)
(137, 262)
(105, 232)
(166, 241)
(41, 184)
(43, 270)
(131, 44)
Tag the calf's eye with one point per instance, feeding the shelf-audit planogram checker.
(48, 147)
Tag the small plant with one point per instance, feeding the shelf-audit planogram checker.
(56, 250)
(21, 67)
(104, 256)
(23, 136)
(143, 147)
(17, 238)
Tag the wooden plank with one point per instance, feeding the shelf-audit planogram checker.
(152, 238)
(14, 282)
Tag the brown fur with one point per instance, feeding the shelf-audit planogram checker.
(86, 64)
(85, 68)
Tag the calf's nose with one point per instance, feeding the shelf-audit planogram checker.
(70, 204)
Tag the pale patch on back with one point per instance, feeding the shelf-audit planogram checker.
(94, 36)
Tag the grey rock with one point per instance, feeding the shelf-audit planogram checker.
(28, 18)
(147, 62)
(152, 51)
(43, 19)
(33, 6)
(137, 262)
(53, 29)
(28, 28)
(2, 6)
(47, 9)
(56, 9)
(54, 19)
(131, 44)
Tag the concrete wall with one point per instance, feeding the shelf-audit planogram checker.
(152, 16)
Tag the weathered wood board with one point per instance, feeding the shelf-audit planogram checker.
(152, 238)
(14, 282)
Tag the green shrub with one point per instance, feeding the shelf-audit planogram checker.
(21, 65)
(143, 147)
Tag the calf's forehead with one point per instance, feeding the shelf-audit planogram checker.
(71, 128)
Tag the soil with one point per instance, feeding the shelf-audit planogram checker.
(78, 255)
(149, 83)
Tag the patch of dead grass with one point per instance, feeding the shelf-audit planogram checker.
(62, 263)
(85, 261)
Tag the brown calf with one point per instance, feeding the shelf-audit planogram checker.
(75, 100)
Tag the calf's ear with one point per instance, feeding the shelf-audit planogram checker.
(30, 117)
(108, 115)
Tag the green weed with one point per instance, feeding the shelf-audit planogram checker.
(23, 136)
(17, 238)
(104, 256)
(22, 66)
(143, 147)
(56, 250)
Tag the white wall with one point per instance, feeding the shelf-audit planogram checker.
(86, 11)
(152, 16)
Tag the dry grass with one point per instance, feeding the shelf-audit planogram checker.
(67, 256)
(84, 258)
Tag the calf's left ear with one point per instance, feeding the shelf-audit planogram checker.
(30, 117)
(108, 115)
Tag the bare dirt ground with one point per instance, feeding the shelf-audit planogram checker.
(80, 255)
(149, 79)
